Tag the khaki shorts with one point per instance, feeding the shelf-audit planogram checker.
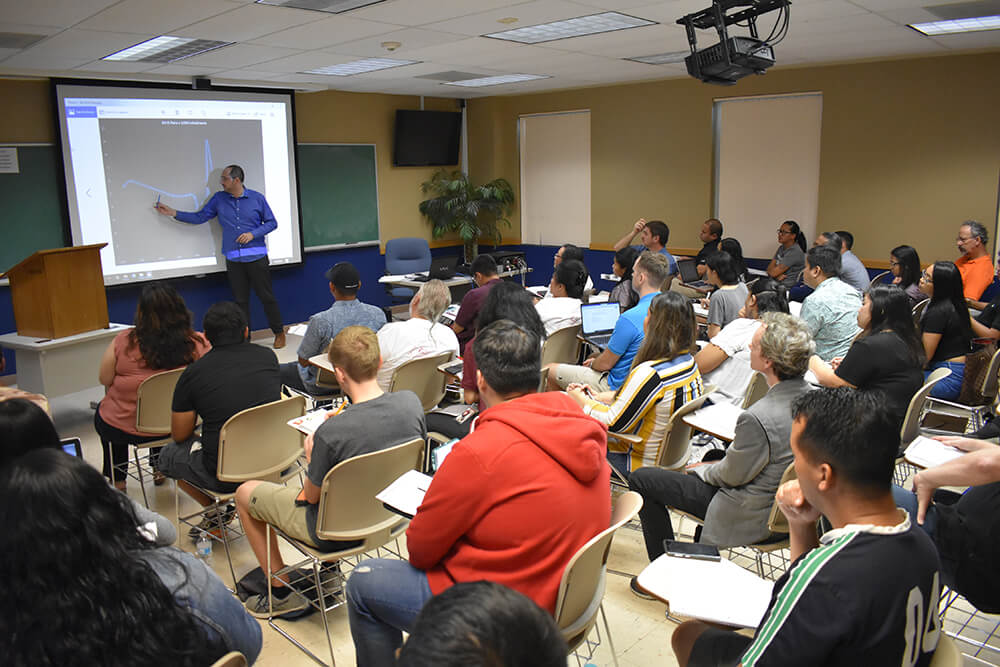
(566, 374)
(275, 504)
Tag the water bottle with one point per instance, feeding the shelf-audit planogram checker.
(203, 548)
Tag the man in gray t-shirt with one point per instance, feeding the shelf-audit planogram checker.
(373, 421)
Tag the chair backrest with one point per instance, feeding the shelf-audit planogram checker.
(581, 588)
(777, 522)
(407, 255)
(154, 400)
(562, 347)
(911, 422)
(231, 659)
(422, 377)
(348, 509)
(990, 382)
(673, 452)
(918, 310)
(879, 278)
(947, 653)
(543, 380)
(258, 443)
(755, 390)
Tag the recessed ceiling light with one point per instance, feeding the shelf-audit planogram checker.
(166, 49)
(578, 27)
(662, 58)
(329, 6)
(360, 66)
(496, 80)
(974, 24)
(508, 20)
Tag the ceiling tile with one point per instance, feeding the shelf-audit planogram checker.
(411, 39)
(423, 12)
(325, 32)
(474, 51)
(116, 66)
(529, 13)
(88, 44)
(60, 13)
(138, 15)
(250, 22)
(43, 61)
(184, 70)
(989, 39)
(238, 55)
(301, 62)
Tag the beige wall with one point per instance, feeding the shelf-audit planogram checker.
(909, 149)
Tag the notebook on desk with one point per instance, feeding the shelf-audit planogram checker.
(597, 322)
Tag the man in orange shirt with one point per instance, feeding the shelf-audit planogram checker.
(974, 264)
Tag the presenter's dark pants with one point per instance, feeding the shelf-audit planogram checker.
(256, 274)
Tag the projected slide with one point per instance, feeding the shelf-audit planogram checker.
(124, 148)
(135, 180)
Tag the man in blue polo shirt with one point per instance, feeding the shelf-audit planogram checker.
(607, 371)
(245, 219)
(653, 236)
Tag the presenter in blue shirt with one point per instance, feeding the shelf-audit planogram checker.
(245, 218)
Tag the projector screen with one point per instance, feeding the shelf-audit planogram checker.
(125, 148)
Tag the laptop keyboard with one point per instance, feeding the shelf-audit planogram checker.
(601, 340)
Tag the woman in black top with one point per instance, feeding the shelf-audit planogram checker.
(944, 328)
(888, 356)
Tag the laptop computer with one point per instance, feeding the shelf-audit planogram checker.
(442, 268)
(689, 273)
(597, 322)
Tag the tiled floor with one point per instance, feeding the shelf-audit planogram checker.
(640, 631)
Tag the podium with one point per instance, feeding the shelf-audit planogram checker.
(60, 292)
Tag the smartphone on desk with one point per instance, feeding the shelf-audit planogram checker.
(691, 550)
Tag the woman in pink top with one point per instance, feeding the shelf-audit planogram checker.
(162, 339)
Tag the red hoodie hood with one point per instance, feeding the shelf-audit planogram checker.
(557, 425)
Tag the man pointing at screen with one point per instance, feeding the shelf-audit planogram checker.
(245, 218)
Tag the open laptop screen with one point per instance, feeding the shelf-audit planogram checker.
(598, 317)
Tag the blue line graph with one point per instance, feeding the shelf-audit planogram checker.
(194, 197)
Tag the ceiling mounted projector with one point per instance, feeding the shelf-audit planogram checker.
(733, 57)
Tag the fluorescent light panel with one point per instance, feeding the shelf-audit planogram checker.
(578, 27)
(166, 49)
(974, 24)
(329, 6)
(662, 58)
(360, 66)
(496, 80)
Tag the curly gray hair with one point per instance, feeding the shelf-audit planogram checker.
(787, 344)
(434, 299)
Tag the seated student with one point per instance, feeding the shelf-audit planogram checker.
(852, 270)
(866, 593)
(374, 420)
(512, 503)
(654, 236)
(735, 250)
(888, 355)
(735, 495)
(663, 377)
(608, 369)
(568, 252)
(964, 527)
(86, 587)
(418, 337)
(945, 328)
(561, 307)
(829, 239)
(974, 264)
(710, 235)
(725, 361)
(479, 623)
(904, 262)
(623, 293)
(233, 376)
(729, 296)
(346, 310)
(161, 339)
(790, 258)
(485, 277)
(831, 310)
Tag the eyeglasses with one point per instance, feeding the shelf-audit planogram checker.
(959, 239)
(926, 277)
(783, 231)
(893, 262)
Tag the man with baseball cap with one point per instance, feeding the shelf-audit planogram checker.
(347, 310)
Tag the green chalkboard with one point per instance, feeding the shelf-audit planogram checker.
(339, 195)
(32, 205)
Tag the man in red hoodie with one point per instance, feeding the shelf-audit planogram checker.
(511, 504)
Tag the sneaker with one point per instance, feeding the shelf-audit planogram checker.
(258, 607)
(638, 591)
(210, 523)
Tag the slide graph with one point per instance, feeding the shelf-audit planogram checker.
(178, 162)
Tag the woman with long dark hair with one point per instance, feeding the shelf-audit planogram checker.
(663, 377)
(85, 587)
(888, 356)
(790, 258)
(735, 250)
(944, 327)
(904, 262)
(161, 339)
(622, 267)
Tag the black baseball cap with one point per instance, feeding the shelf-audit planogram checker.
(344, 276)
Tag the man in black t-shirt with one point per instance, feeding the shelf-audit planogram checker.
(233, 376)
(867, 592)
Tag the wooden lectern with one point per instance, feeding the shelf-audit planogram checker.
(59, 292)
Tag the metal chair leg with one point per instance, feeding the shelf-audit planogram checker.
(142, 482)
(607, 630)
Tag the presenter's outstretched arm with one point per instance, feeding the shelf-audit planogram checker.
(163, 209)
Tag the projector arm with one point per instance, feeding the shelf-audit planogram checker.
(716, 17)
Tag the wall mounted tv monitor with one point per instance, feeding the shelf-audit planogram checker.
(125, 147)
(427, 138)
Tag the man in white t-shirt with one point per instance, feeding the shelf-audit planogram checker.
(420, 336)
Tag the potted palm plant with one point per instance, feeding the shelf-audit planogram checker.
(471, 211)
